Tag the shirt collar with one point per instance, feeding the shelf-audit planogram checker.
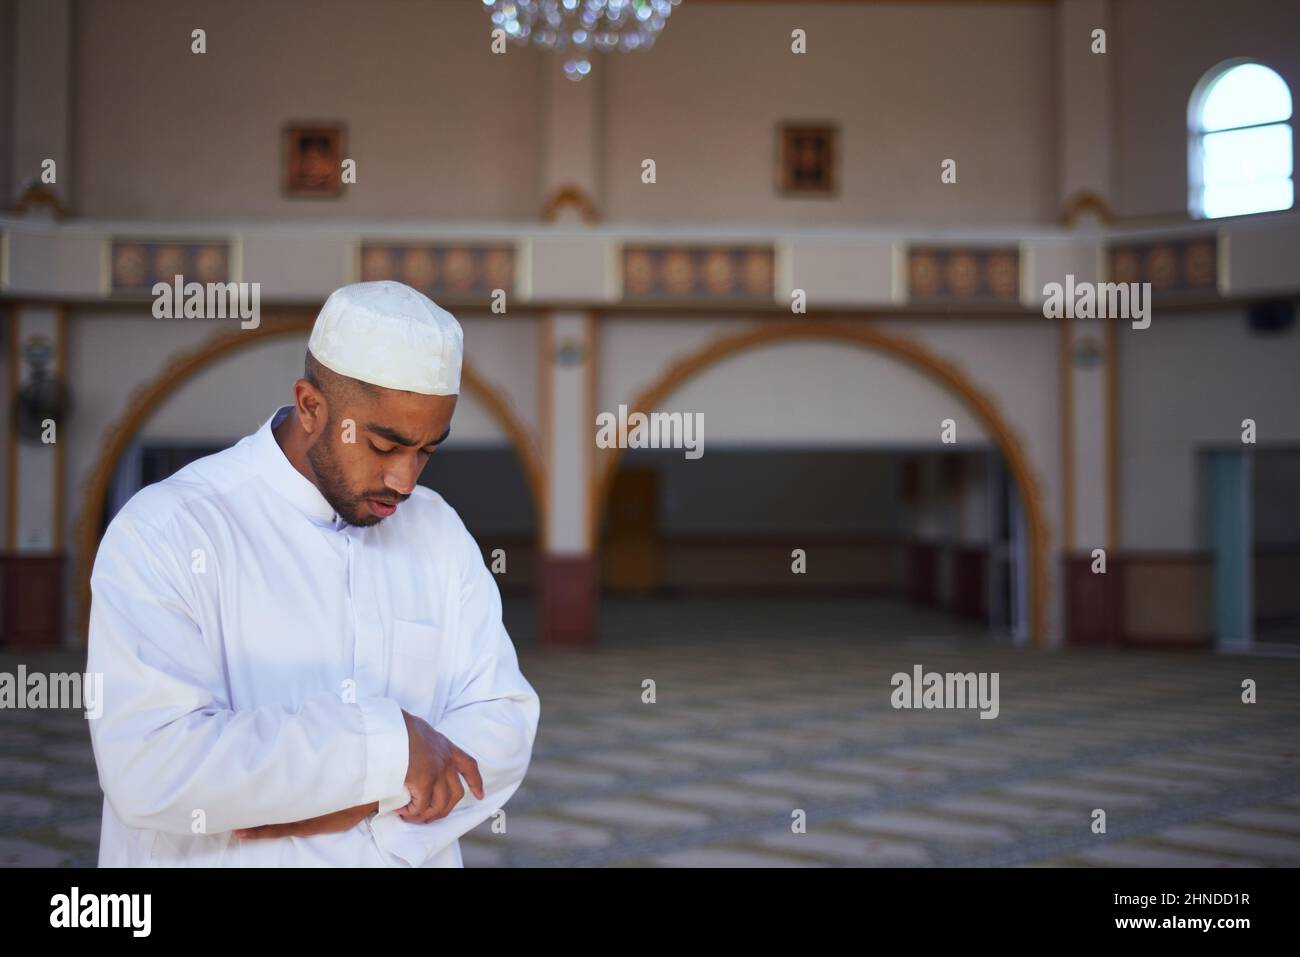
(286, 480)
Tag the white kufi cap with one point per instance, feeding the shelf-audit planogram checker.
(390, 335)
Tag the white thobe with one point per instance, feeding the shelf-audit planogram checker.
(256, 653)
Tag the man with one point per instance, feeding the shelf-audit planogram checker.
(303, 655)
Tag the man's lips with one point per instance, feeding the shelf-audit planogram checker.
(383, 507)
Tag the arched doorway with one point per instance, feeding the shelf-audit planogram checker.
(152, 395)
(946, 374)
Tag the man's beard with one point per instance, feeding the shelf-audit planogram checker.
(333, 488)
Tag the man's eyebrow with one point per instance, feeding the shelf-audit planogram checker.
(393, 435)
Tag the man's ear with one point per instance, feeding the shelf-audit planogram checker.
(313, 409)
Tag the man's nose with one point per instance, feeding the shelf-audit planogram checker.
(402, 478)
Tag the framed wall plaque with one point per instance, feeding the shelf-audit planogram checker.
(313, 159)
(807, 156)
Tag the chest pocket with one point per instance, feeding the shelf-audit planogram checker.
(418, 676)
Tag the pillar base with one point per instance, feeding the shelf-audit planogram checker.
(568, 591)
(1094, 604)
(31, 596)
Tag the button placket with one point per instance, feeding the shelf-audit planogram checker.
(368, 650)
(352, 606)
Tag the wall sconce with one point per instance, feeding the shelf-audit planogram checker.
(43, 396)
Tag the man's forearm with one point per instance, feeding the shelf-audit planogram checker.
(209, 773)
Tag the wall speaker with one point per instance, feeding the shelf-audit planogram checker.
(1270, 315)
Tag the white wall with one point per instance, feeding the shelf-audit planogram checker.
(818, 394)
(37, 129)
(1186, 383)
(7, 184)
(438, 125)
(504, 352)
(909, 85)
(442, 128)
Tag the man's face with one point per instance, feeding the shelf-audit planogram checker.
(370, 454)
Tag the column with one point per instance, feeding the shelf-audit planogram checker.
(568, 567)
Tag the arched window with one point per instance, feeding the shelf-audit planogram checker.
(1239, 144)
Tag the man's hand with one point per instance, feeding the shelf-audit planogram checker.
(433, 773)
(343, 820)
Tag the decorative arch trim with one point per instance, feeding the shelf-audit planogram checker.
(570, 195)
(947, 374)
(1085, 202)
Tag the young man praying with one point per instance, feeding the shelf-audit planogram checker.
(303, 655)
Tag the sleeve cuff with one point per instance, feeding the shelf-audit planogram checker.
(395, 803)
(387, 752)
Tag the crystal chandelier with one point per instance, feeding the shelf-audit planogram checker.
(577, 27)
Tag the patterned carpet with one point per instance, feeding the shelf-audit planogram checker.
(767, 708)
